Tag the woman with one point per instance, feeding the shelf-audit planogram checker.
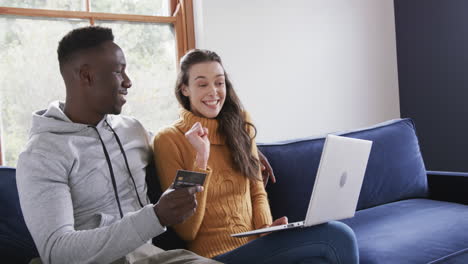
(234, 199)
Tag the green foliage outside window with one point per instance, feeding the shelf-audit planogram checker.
(30, 74)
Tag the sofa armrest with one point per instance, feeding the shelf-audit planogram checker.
(448, 186)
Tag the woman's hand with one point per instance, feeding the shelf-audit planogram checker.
(280, 221)
(198, 138)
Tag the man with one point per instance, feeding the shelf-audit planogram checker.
(81, 177)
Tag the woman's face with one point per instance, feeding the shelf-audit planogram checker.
(206, 89)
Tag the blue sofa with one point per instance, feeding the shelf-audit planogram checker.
(16, 244)
(405, 213)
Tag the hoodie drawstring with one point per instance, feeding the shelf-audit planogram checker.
(126, 163)
(111, 170)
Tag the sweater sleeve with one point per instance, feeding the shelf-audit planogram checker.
(261, 208)
(47, 207)
(169, 158)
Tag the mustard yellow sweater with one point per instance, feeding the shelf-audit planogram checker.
(230, 202)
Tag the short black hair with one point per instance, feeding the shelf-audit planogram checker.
(81, 39)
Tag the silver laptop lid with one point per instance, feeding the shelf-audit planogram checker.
(339, 179)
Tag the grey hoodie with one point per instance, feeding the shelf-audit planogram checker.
(66, 192)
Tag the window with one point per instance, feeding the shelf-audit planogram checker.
(150, 37)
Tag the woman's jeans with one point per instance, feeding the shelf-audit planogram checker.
(332, 242)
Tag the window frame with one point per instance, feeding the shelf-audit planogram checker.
(181, 19)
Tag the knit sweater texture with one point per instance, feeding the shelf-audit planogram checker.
(230, 203)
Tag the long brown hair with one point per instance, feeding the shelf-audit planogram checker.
(231, 118)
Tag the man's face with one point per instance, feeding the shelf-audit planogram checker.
(109, 82)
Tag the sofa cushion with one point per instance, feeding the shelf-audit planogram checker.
(16, 244)
(395, 170)
(411, 231)
(460, 257)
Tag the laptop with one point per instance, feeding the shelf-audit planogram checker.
(337, 185)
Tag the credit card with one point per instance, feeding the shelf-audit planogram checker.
(186, 178)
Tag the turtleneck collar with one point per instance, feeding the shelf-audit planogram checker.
(187, 119)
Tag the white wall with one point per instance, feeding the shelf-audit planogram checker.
(305, 67)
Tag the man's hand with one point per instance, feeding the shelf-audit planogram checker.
(267, 170)
(198, 138)
(175, 206)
